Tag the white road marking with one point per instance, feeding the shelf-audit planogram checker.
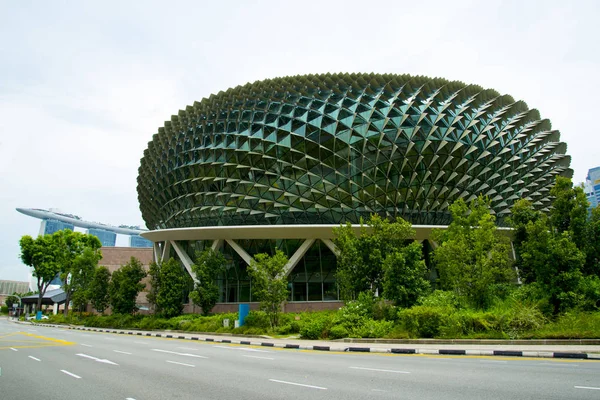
(178, 363)
(86, 345)
(138, 342)
(587, 387)
(33, 358)
(298, 384)
(380, 370)
(243, 349)
(122, 352)
(69, 373)
(100, 360)
(262, 358)
(179, 354)
(13, 349)
(130, 398)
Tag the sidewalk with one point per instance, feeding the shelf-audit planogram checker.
(572, 349)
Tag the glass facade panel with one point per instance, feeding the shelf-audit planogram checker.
(108, 239)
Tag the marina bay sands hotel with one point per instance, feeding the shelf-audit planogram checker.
(53, 220)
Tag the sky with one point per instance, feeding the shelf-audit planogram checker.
(85, 85)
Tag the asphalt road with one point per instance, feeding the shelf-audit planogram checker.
(52, 363)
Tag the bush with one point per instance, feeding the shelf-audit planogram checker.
(338, 332)
(374, 329)
(423, 321)
(441, 298)
(257, 319)
(3, 310)
(318, 328)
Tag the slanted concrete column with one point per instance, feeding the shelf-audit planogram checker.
(331, 246)
(55, 309)
(297, 256)
(185, 259)
(241, 252)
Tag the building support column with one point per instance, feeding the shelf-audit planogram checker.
(240, 252)
(331, 246)
(157, 254)
(216, 245)
(55, 309)
(297, 256)
(185, 259)
(166, 250)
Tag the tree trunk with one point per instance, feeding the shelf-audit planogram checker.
(68, 299)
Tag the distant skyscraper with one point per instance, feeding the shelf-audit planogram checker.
(138, 241)
(592, 187)
(106, 238)
(49, 226)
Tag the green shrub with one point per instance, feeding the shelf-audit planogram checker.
(338, 332)
(441, 299)
(257, 319)
(315, 329)
(423, 321)
(3, 309)
(374, 329)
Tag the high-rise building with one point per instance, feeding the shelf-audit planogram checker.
(49, 226)
(592, 187)
(138, 241)
(107, 238)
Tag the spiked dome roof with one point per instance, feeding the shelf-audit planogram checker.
(326, 149)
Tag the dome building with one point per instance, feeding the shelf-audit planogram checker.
(278, 163)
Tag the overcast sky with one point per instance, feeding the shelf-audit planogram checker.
(83, 87)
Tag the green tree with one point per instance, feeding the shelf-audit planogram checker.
(404, 275)
(523, 213)
(556, 263)
(125, 286)
(43, 255)
(82, 274)
(209, 264)
(472, 255)
(569, 210)
(269, 284)
(98, 290)
(152, 295)
(173, 282)
(79, 257)
(360, 262)
(592, 245)
(10, 300)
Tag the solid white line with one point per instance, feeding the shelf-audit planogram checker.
(179, 354)
(86, 345)
(178, 363)
(129, 398)
(33, 358)
(122, 352)
(262, 358)
(243, 349)
(380, 370)
(587, 387)
(298, 384)
(69, 373)
(13, 349)
(186, 348)
(135, 341)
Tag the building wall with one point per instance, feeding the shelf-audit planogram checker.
(114, 258)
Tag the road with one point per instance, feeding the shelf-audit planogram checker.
(53, 363)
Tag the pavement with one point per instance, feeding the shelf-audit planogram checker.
(565, 349)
